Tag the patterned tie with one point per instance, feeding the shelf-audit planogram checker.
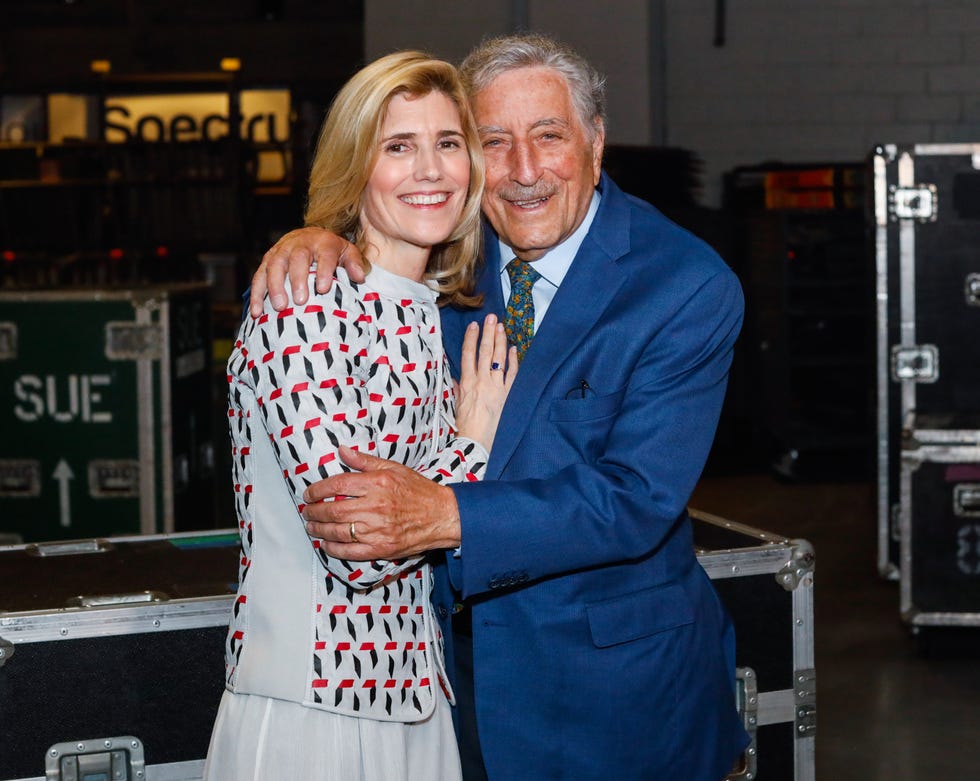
(519, 322)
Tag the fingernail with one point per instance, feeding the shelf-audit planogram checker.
(279, 299)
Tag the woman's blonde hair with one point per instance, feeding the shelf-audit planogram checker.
(348, 147)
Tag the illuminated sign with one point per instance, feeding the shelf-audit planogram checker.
(193, 117)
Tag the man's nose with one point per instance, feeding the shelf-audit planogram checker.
(524, 164)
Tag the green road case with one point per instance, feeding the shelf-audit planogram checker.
(105, 412)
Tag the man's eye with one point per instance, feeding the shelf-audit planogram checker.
(490, 142)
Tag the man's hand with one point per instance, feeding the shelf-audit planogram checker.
(291, 257)
(384, 511)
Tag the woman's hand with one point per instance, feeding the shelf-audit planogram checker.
(290, 260)
(486, 378)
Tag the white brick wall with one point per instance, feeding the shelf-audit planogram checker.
(797, 80)
(808, 81)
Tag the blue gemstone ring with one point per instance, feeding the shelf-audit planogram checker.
(494, 367)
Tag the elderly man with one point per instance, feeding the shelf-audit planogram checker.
(598, 646)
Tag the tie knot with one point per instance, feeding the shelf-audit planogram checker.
(522, 273)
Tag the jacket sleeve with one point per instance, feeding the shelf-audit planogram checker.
(304, 366)
(622, 502)
(462, 460)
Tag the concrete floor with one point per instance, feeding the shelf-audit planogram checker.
(886, 709)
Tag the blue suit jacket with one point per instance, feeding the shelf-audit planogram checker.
(600, 648)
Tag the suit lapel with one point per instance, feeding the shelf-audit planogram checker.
(580, 302)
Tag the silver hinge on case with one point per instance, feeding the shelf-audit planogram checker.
(6, 651)
(747, 698)
(914, 203)
(129, 341)
(99, 758)
(805, 696)
(971, 287)
(918, 363)
(798, 568)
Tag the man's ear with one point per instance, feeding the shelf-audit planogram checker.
(598, 146)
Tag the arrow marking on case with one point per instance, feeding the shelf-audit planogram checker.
(63, 474)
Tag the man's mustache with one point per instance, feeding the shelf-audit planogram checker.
(516, 192)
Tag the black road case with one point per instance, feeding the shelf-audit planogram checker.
(940, 534)
(112, 655)
(105, 408)
(112, 651)
(927, 235)
(766, 582)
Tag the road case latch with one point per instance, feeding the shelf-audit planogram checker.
(972, 289)
(918, 363)
(129, 341)
(914, 203)
(101, 759)
(747, 699)
(966, 500)
(8, 341)
(805, 696)
(6, 651)
(799, 568)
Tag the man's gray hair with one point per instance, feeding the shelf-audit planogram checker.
(528, 50)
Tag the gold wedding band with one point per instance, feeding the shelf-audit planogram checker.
(353, 534)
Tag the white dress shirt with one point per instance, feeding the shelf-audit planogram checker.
(552, 266)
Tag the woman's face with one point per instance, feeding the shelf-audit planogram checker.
(417, 188)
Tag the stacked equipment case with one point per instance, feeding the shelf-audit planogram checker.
(112, 651)
(927, 259)
(112, 655)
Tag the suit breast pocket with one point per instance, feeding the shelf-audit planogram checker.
(584, 424)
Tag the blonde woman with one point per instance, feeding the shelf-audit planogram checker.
(334, 667)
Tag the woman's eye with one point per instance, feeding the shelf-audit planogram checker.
(396, 147)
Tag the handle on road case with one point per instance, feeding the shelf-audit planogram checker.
(107, 600)
(100, 758)
(70, 548)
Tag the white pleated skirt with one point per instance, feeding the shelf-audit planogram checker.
(262, 739)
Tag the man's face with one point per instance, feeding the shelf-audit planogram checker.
(541, 166)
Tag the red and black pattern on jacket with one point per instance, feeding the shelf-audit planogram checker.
(358, 368)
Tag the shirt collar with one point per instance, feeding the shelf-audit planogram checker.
(554, 264)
